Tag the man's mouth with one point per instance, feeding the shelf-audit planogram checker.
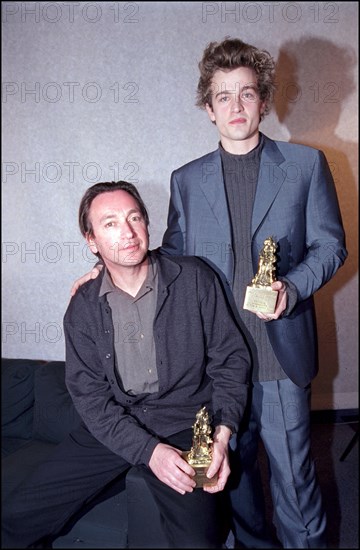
(131, 246)
(240, 120)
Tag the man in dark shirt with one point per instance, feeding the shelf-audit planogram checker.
(148, 344)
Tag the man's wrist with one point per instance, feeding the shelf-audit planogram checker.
(292, 296)
(222, 433)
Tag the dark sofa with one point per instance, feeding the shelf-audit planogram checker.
(37, 413)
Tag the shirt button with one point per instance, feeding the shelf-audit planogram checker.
(144, 409)
(150, 371)
(141, 336)
(108, 355)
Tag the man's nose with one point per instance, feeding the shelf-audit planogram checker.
(127, 230)
(237, 104)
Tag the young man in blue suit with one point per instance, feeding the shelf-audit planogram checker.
(222, 208)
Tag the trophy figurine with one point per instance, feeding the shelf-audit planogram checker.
(259, 295)
(200, 454)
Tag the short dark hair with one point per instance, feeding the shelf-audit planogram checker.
(230, 54)
(106, 187)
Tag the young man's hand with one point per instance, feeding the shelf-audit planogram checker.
(281, 303)
(96, 270)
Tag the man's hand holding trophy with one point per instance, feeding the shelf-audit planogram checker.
(200, 455)
(260, 297)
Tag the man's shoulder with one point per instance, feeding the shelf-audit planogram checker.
(198, 163)
(288, 148)
(86, 296)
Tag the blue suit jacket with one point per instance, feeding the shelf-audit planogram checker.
(296, 204)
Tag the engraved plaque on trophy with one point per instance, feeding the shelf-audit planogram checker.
(200, 455)
(259, 295)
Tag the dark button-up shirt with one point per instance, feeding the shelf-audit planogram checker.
(201, 358)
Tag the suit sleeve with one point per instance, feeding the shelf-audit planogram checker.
(325, 240)
(174, 236)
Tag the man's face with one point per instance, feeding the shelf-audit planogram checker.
(236, 108)
(120, 233)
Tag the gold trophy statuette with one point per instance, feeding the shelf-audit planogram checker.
(200, 455)
(259, 295)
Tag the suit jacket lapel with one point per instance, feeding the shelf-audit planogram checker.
(271, 178)
(212, 185)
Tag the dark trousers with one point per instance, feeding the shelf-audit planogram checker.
(78, 469)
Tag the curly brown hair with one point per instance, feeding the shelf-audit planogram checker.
(230, 54)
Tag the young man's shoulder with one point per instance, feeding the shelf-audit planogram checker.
(200, 163)
(288, 147)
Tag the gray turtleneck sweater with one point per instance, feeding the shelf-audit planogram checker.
(241, 176)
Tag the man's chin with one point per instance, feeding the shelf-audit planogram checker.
(134, 258)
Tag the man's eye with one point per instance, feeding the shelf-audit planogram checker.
(249, 96)
(224, 98)
(109, 224)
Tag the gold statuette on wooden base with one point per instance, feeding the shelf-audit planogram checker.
(200, 455)
(259, 295)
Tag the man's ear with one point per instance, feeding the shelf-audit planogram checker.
(91, 242)
(210, 112)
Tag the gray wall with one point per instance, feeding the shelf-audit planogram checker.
(102, 91)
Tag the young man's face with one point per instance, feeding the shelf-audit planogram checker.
(120, 233)
(236, 109)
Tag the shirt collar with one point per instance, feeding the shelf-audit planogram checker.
(251, 155)
(107, 284)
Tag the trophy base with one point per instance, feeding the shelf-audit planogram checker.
(260, 299)
(200, 474)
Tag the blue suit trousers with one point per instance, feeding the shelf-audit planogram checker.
(280, 415)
